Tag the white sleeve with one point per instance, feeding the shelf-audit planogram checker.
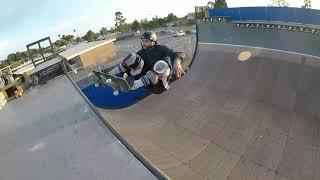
(117, 70)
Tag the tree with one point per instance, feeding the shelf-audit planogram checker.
(25, 55)
(112, 30)
(61, 42)
(68, 38)
(120, 22)
(55, 48)
(190, 19)
(280, 3)
(18, 56)
(210, 4)
(171, 17)
(153, 23)
(33, 52)
(135, 25)
(103, 31)
(96, 36)
(144, 23)
(11, 58)
(220, 4)
(307, 4)
(79, 39)
(190, 15)
(161, 22)
(90, 36)
(158, 22)
(21, 56)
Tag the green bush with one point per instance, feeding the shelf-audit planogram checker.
(14, 65)
(188, 31)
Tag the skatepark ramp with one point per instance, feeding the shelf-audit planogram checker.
(240, 113)
(247, 109)
(52, 133)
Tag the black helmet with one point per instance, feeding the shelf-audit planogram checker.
(150, 35)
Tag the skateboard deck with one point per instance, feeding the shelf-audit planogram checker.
(115, 82)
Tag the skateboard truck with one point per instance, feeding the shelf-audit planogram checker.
(109, 81)
(115, 92)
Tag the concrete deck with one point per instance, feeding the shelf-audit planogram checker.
(51, 133)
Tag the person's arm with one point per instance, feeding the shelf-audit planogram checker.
(176, 59)
(167, 52)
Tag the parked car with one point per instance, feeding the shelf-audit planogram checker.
(170, 31)
(180, 33)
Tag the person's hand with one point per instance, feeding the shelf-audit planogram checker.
(178, 68)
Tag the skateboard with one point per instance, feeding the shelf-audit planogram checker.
(116, 83)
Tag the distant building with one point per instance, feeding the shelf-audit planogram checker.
(91, 53)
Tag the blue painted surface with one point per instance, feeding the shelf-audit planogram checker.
(284, 14)
(103, 97)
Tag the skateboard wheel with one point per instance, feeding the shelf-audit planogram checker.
(108, 80)
(116, 93)
(96, 84)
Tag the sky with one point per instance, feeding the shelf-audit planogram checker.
(23, 22)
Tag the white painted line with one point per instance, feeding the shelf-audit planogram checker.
(262, 48)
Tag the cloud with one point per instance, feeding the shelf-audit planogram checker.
(5, 48)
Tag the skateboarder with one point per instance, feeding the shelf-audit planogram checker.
(152, 66)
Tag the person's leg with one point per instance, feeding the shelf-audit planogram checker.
(128, 63)
(117, 70)
(161, 71)
(144, 81)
